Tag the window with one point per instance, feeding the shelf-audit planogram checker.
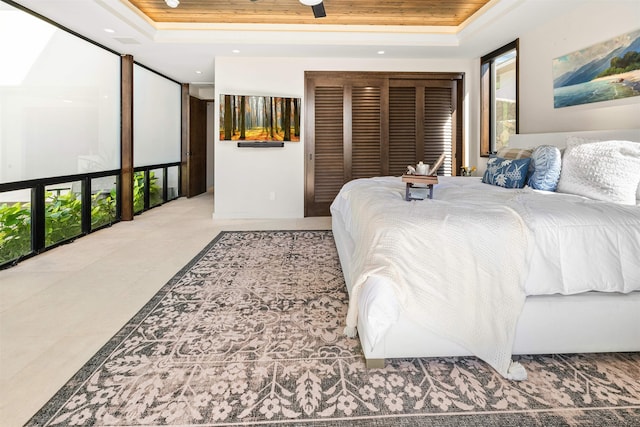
(499, 98)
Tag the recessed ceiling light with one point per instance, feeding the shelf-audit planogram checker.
(172, 3)
(198, 72)
(235, 51)
(381, 52)
(109, 30)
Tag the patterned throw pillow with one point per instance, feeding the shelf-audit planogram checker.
(606, 170)
(506, 173)
(514, 153)
(546, 163)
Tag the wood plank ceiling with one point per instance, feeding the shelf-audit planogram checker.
(339, 12)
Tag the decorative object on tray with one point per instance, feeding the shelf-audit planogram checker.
(433, 170)
(422, 169)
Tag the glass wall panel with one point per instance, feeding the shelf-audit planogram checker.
(155, 186)
(59, 101)
(15, 224)
(157, 118)
(173, 182)
(63, 212)
(103, 201)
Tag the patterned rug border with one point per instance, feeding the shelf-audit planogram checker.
(101, 355)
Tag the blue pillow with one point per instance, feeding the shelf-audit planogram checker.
(506, 173)
(546, 162)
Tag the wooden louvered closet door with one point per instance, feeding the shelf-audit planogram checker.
(361, 125)
(421, 123)
(343, 137)
(439, 124)
(366, 132)
(328, 156)
(403, 129)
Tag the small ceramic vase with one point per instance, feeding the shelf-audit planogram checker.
(422, 169)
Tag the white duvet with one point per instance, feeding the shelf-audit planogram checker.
(462, 263)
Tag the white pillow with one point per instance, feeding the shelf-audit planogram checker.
(605, 170)
(576, 140)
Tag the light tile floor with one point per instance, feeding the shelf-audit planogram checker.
(58, 308)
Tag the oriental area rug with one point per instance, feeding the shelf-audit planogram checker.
(250, 333)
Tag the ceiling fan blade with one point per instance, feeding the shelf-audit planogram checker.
(318, 10)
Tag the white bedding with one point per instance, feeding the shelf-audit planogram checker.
(556, 236)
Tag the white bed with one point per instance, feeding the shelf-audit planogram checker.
(560, 320)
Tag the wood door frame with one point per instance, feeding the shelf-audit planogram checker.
(197, 163)
(189, 184)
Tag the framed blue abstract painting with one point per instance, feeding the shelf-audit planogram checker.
(602, 72)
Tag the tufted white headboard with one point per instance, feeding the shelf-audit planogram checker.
(529, 140)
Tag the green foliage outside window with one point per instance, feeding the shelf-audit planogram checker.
(63, 217)
(15, 231)
(103, 209)
(155, 192)
(138, 192)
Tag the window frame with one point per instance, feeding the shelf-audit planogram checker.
(487, 93)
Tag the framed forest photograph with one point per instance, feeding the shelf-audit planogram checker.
(259, 118)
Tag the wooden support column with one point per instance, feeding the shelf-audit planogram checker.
(126, 139)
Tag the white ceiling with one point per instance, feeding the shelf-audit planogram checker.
(180, 50)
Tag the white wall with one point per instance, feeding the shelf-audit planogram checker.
(269, 182)
(590, 23)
